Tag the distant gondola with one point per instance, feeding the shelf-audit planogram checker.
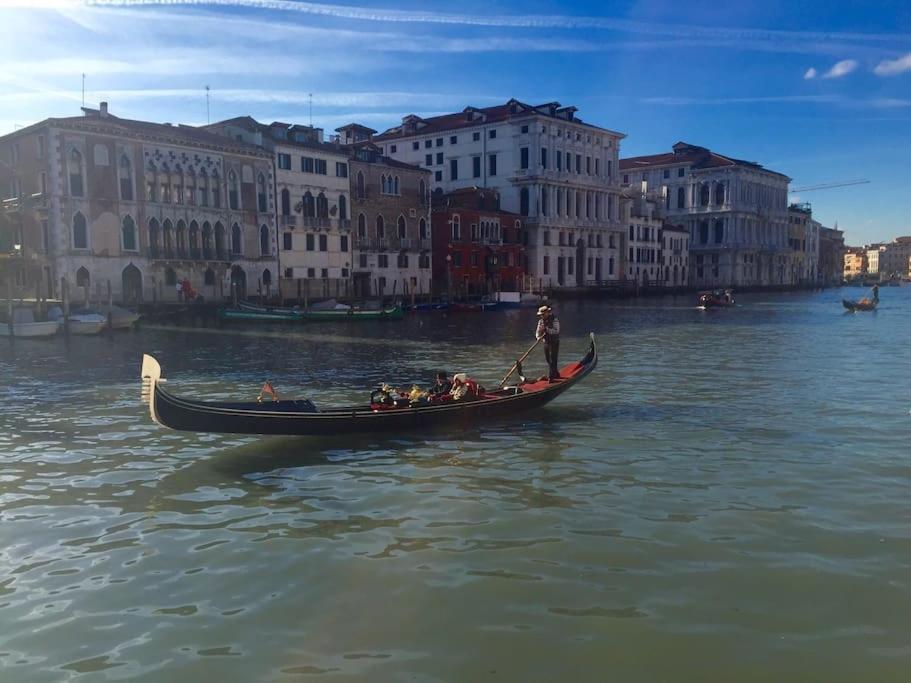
(862, 305)
(303, 418)
(716, 299)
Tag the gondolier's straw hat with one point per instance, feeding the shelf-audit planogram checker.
(543, 310)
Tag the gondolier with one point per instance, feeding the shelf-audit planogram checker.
(548, 330)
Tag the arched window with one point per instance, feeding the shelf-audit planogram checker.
(456, 228)
(126, 178)
(168, 241)
(170, 277)
(214, 188)
(220, 251)
(361, 189)
(704, 192)
(719, 231)
(362, 226)
(309, 205)
(82, 277)
(154, 238)
(209, 277)
(74, 168)
(719, 193)
(194, 240)
(342, 207)
(422, 229)
(207, 245)
(395, 188)
(264, 240)
(403, 229)
(523, 201)
(128, 233)
(181, 238)
(233, 192)
(202, 190)
(267, 276)
(681, 198)
(261, 193)
(236, 240)
(380, 227)
(322, 206)
(192, 191)
(286, 202)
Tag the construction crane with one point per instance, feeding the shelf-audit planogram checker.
(826, 186)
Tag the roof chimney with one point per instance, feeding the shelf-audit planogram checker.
(104, 108)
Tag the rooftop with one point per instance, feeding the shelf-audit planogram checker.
(692, 155)
(473, 116)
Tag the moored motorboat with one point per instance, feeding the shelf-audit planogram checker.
(264, 315)
(121, 318)
(354, 313)
(303, 418)
(24, 325)
(82, 321)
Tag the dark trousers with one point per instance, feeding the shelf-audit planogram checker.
(551, 351)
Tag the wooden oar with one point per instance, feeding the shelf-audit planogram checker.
(518, 362)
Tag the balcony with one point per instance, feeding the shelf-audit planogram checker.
(344, 224)
(289, 221)
(316, 222)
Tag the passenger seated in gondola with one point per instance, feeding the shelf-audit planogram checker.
(464, 388)
(442, 385)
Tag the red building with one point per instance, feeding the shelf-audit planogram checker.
(477, 247)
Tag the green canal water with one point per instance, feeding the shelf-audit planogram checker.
(726, 499)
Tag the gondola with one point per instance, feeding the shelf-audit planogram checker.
(862, 305)
(716, 299)
(303, 418)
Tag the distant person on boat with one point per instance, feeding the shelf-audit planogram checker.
(876, 293)
(548, 330)
(442, 386)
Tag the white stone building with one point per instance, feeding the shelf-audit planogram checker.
(657, 252)
(548, 166)
(873, 255)
(893, 260)
(735, 211)
(313, 205)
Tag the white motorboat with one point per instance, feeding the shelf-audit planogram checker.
(87, 323)
(24, 325)
(121, 318)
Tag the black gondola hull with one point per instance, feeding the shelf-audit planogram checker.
(299, 418)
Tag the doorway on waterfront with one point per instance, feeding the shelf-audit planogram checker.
(238, 282)
(131, 285)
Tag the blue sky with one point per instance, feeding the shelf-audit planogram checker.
(820, 91)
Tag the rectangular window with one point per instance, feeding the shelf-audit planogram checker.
(341, 169)
(667, 173)
(588, 165)
(610, 167)
(474, 258)
(428, 159)
(311, 272)
(476, 136)
(597, 166)
(415, 145)
(453, 139)
(544, 157)
(343, 243)
(439, 142)
(559, 158)
(321, 166)
(344, 272)
(383, 260)
(438, 176)
(546, 269)
(680, 172)
(546, 237)
(579, 163)
(289, 273)
(284, 161)
(491, 164)
(286, 241)
(323, 242)
(362, 260)
(453, 169)
(525, 129)
(457, 259)
(492, 133)
(310, 242)
(324, 273)
(392, 149)
(569, 162)
(307, 164)
(439, 158)
(428, 144)
(523, 157)
(476, 167)
(569, 265)
(610, 266)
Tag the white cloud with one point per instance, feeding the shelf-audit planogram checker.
(893, 67)
(810, 74)
(842, 68)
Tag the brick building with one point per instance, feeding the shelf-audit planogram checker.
(390, 210)
(478, 248)
(142, 206)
